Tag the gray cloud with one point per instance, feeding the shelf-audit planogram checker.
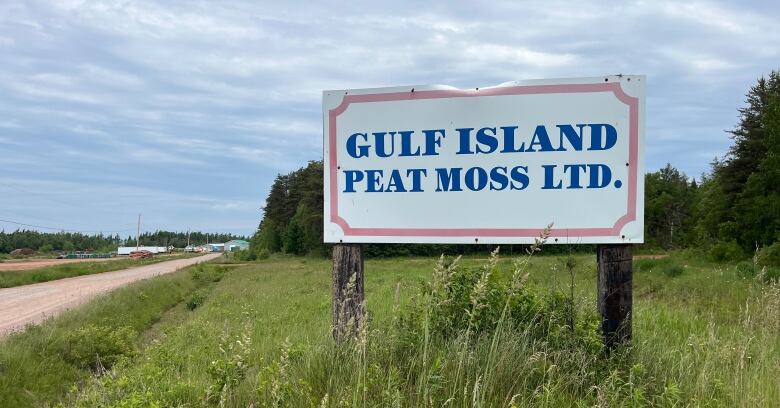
(197, 106)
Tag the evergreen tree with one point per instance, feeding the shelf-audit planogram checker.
(757, 208)
(294, 237)
(668, 206)
(741, 200)
(292, 216)
(267, 237)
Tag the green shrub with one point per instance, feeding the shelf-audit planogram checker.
(196, 299)
(650, 264)
(98, 347)
(262, 254)
(228, 372)
(749, 270)
(693, 252)
(771, 274)
(726, 251)
(467, 298)
(746, 270)
(667, 266)
(242, 255)
(673, 270)
(470, 329)
(207, 273)
(770, 255)
(476, 301)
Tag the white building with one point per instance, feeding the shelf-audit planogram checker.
(152, 249)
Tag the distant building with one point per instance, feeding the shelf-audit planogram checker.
(216, 247)
(153, 249)
(236, 245)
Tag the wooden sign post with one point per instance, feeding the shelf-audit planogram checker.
(615, 281)
(348, 294)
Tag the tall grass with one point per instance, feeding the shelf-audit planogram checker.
(41, 364)
(470, 333)
(499, 334)
(473, 342)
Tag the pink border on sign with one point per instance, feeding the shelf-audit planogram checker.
(614, 230)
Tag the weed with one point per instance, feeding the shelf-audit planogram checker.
(196, 299)
(701, 339)
(770, 274)
(667, 266)
(276, 385)
(745, 270)
(673, 270)
(98, 347)
(263, 254)
(649, 264)
(206, 273)
(726, 251)
(769, 256)
(228, 371)
(39, 365)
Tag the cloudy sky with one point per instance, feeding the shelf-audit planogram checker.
(185, 111)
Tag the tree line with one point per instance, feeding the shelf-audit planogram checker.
(180, 239)
(74, 241)
(728, 211)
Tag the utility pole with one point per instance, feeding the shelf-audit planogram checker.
(138, 233)
(188, 238)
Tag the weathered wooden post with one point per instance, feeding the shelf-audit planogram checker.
(615, 281)
(348, 295)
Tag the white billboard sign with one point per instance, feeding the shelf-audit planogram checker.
(435, 164)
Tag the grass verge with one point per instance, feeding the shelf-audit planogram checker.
(41, 364)
(9, 279)
(703, 337)
(261, 337)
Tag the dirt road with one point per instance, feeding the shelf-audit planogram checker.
(658, 256)
(32, 304)
(25, 265)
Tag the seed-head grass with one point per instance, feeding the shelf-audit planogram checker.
(703, 338)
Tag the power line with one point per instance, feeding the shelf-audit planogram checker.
(62, 229)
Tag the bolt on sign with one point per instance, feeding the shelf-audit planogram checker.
(436, 164)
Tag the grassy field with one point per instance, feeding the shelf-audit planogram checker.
(10, 279)
(41, 364)
(260, 335)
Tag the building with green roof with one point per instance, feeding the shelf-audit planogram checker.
(236, 245)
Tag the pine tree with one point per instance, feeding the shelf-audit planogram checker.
(740, 202)
(294, 237)
(757, 208)
(668, 207)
